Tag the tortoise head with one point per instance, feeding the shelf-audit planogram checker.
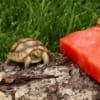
(40, 53)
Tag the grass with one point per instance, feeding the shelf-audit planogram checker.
(46, 20)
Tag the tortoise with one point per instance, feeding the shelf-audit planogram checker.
(28, 51)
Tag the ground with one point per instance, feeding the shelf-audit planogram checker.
(61, 79)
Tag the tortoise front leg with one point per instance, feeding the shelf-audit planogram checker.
(45, 58)
(27, 62)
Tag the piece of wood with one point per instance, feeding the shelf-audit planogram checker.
(59, 80)
(83, 47)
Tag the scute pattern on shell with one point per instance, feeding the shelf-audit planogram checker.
(25, 43)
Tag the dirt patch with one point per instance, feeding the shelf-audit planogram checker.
(61, 79)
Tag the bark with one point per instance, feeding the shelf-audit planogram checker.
(59, 80)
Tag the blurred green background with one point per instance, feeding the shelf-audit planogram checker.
(46, 20)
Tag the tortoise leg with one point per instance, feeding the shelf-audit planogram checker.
(27, 62)
(45, 58)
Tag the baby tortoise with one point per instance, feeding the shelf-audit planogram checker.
(28, 51)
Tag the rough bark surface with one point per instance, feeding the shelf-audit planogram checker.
(59, 80)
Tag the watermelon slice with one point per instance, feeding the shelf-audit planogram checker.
(83, 47)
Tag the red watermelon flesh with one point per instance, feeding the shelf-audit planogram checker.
(83, 47)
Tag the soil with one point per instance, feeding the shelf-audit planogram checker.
(61, 79)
